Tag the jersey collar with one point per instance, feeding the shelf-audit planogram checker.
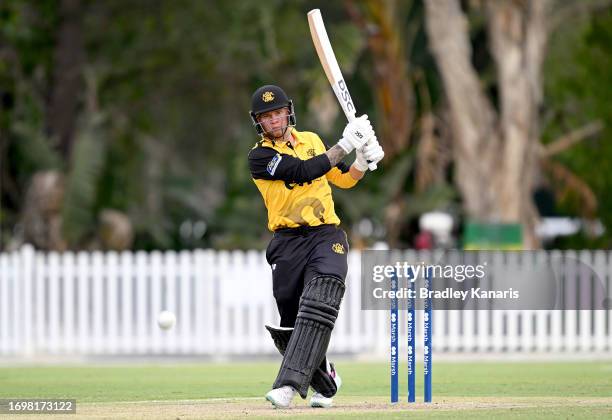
(297, 136)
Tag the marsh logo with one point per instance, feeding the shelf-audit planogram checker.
(273, 164)
(267, 97)
(338, 248)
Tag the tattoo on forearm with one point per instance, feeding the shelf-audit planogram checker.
(335, 155)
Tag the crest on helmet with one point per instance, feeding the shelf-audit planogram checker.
(267, 96)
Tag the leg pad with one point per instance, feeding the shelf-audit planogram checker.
(321, 381)
(306, 348)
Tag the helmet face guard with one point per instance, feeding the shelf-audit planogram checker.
(291, 120)
(268, 98)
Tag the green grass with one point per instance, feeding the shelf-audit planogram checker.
(453, 383)
(171, 382)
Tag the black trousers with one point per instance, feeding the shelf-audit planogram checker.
(296, 255)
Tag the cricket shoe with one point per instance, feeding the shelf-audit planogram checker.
(281, 397)
(319, 400)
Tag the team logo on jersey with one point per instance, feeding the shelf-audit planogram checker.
(273, 164)
(267, 96)
(311, 152)
(338, 248)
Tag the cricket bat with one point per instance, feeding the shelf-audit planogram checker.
(330, 66)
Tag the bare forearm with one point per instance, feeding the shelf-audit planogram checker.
(335, 155)
(356, 174)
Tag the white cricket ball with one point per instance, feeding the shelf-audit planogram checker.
(166, 320)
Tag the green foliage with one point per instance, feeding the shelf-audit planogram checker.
(577, 73)
(32, 149)
(173, 81)
(79, 217)
(25, 54)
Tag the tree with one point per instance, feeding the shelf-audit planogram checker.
(380, 21)
(495, 147)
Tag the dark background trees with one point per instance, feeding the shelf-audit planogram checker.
(124, 124)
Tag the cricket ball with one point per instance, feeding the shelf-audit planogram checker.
(166, 320)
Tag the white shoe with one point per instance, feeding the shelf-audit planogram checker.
(281, 397)
(319, 400)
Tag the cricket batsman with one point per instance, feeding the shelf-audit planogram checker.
(308, 252)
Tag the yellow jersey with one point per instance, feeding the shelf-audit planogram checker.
(294, 180)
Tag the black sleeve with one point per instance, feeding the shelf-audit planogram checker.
(267, 163)
(344, 167)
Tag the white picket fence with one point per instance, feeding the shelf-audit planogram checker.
(106, 304)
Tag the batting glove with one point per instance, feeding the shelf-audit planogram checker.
(373, 152)
(361, 163)
(356, 134)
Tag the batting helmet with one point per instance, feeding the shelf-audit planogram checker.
(268, 98)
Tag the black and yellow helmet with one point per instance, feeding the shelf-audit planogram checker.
(268, 98)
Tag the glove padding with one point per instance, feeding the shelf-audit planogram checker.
(361, 163)
(356, 134)
(372, 152)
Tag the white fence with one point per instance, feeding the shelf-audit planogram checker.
(107, 303)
